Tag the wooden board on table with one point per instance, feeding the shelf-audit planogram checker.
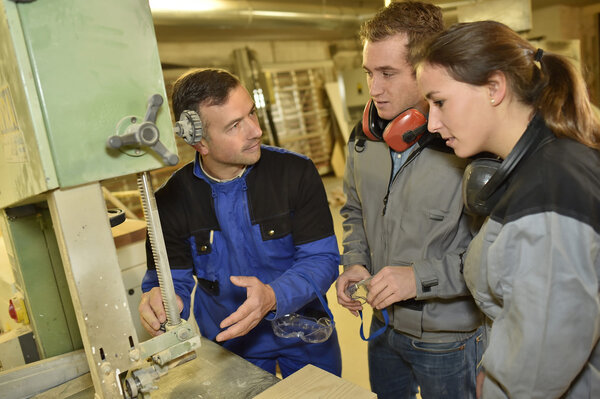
(312, 382)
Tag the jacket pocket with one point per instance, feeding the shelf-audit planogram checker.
(437, 215)
(275, 227)
(203, 254)
(203, 242)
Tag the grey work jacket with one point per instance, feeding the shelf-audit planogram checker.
(417, 220)
(534, 269)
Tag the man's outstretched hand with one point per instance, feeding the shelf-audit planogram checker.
(260, 299)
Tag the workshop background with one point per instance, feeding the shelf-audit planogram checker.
(301, 60)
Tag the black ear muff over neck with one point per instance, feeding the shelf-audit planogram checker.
(484, 178)
(476, 176)
(372, 123)
(400, 133)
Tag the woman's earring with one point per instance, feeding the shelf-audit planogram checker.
(493, 101)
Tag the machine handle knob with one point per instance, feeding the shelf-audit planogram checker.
(145, 134)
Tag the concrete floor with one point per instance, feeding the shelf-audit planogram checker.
(354, 349)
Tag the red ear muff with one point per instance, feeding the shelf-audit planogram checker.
(405, 130)
(400, 133)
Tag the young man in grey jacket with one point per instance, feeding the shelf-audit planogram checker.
(404, 224)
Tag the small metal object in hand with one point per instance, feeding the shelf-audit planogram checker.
(358, 291)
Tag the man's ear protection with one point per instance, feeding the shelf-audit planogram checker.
(400, 133)
(484, 178)
(189, 127)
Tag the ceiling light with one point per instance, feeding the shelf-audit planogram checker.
(184, 5)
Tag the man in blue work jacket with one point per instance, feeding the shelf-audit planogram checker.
(252, 223)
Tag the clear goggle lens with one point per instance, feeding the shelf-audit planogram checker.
(308, 329)
(359, 291)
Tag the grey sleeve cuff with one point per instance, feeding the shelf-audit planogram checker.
(354, 259)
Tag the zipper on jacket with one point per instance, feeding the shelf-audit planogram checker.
(411, 157)
(385, 200)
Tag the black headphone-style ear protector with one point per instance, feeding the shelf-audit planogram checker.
(400, 133)
(189, 127)
(483, 179)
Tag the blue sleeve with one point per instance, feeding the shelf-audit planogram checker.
(317, 260)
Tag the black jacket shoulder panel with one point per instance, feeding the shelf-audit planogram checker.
(285, 189)
(185, 203)
(186, 211)
(560, 176)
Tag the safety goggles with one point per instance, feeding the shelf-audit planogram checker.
(358, 292)
(308, 329)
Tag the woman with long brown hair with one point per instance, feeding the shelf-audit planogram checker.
(533, 268)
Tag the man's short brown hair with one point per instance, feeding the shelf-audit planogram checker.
(418, 21)
(210, 86)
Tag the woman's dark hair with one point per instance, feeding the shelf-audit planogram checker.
(472, 52)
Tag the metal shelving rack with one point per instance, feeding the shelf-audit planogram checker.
(300, 109)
